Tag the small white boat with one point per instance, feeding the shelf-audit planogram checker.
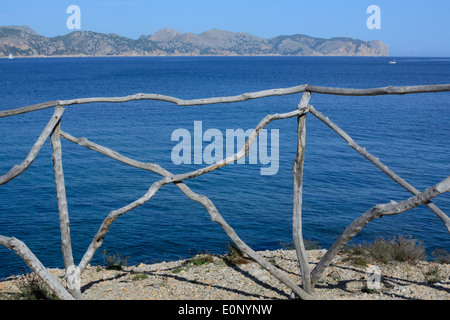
(10, 56)
(392, 62)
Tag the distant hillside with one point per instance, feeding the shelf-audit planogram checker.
(22, 41)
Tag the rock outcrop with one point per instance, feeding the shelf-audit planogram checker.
(23, 41)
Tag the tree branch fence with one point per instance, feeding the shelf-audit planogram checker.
(70, 289)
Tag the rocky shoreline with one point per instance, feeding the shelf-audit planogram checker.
(218, 279)
(23, 41)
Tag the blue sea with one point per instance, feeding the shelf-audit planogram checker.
(409, 133)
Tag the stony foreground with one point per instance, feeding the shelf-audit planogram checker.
(217, 279)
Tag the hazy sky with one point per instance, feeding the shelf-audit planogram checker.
(410, 28)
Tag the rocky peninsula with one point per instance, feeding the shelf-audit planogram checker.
(22, 41)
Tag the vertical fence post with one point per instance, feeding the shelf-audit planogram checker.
(297, 170)
(64, 224)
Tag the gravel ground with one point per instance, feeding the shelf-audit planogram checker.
(218, 280)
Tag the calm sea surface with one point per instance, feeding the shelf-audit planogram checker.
(410, 134)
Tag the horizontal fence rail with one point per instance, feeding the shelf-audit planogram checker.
(239, 98)
(70, 287)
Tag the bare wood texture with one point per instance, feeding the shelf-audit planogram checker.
(239, 98)
(20, 168)
(297, 170)
(308, 278)
(203, 200)
(30, 108)
(246, 96)
(30, 259)
(64, 223)
(241, 153)
(378, 211)
(362, 151)
(379, 91)
(61, 198)
(113, 215)
(323, 90)
(115, 155)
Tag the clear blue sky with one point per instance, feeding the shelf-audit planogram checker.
(410, 28)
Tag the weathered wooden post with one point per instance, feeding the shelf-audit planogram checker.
(297, 170)
(64, 223)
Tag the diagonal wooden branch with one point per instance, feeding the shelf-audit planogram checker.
(20, 168)
(203, 200)
(378, 211)
(98, 239)
(277, 273)
(244, 151)
(177, 179)
(362, 151)
(112, 216)
(297, 170)
(30, 259)
(115, 155)
(239, 98)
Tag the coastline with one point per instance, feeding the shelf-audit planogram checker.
(220, 280)
(190, 56)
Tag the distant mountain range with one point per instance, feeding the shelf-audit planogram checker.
(22, 41)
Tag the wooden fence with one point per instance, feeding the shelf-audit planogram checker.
(70, 288)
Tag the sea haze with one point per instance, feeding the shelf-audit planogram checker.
(408, 133)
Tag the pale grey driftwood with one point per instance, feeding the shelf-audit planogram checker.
(203, 200)
(323, 90)
(378, 211)
(30, 108)
(30, 259)
(64, 223)
(362, 151)
(238, 98)
(297, 170)
(113, 215)
(20, 168)
(308, 279)
(379, 91)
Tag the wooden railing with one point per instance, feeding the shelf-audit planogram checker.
(70, 288)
